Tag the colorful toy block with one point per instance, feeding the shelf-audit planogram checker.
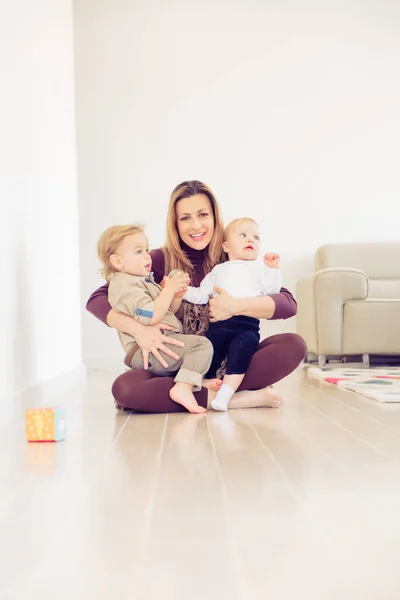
(45, 424)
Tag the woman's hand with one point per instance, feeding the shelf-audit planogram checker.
(222, 307)
(152, 341)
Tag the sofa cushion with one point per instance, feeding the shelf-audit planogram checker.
(371, 326)
(384, 288)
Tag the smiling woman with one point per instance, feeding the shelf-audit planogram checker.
(197, 226)
(194, 222)
(194, 245)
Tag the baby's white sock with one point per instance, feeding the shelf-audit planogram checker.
(222, 398)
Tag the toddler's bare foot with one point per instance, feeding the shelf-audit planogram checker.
(212, 384)
(182, 394)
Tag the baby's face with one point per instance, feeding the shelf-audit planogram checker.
(243, 242)
(133, 255)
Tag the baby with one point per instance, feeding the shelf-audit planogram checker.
(123, 250)
(237, 338)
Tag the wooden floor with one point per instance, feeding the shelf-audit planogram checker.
(298, 502)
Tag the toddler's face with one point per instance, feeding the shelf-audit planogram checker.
(132, 255)
(243, 242)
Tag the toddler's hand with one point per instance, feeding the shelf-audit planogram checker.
(271, 260)
(181, 294)
(184, 290)
(177, 282)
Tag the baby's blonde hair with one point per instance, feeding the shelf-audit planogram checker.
(109, 242)
(230, 225)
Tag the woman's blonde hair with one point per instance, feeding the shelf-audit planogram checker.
(109, 242)
(177, 258)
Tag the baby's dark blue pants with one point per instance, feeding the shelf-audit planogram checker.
(237, 339)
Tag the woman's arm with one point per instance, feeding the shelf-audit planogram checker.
(100, 307)
(98, 304)
(276, 306)
(158, 264)
(150, 339)
(285, 305)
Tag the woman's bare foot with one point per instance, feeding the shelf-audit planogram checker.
(271, 398)
(265, 398)
(212, 384)
(182, 394)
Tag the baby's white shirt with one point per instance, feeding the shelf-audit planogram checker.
(240, 278)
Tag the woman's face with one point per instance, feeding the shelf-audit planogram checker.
(195, 220)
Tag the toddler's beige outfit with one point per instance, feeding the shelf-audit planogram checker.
(134, 296)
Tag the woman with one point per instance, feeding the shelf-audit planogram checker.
(194, 244)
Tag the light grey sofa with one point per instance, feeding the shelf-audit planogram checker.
(351, 304)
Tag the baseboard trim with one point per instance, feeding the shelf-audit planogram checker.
(49, 389)
(64, 381)
(105, 363)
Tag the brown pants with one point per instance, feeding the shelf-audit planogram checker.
(276, 357)
(193, 362)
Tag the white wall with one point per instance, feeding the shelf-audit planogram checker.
(39, 237)
(288, 110)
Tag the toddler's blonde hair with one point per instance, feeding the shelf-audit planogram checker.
(109, 242)
(232, 224)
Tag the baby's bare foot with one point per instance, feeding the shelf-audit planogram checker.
(212, 384)
(181, 394)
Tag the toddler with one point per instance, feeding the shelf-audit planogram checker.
(123, 250)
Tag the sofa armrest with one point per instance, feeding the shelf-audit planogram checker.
(320, 300)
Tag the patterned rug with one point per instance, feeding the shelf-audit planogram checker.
(381, 384)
